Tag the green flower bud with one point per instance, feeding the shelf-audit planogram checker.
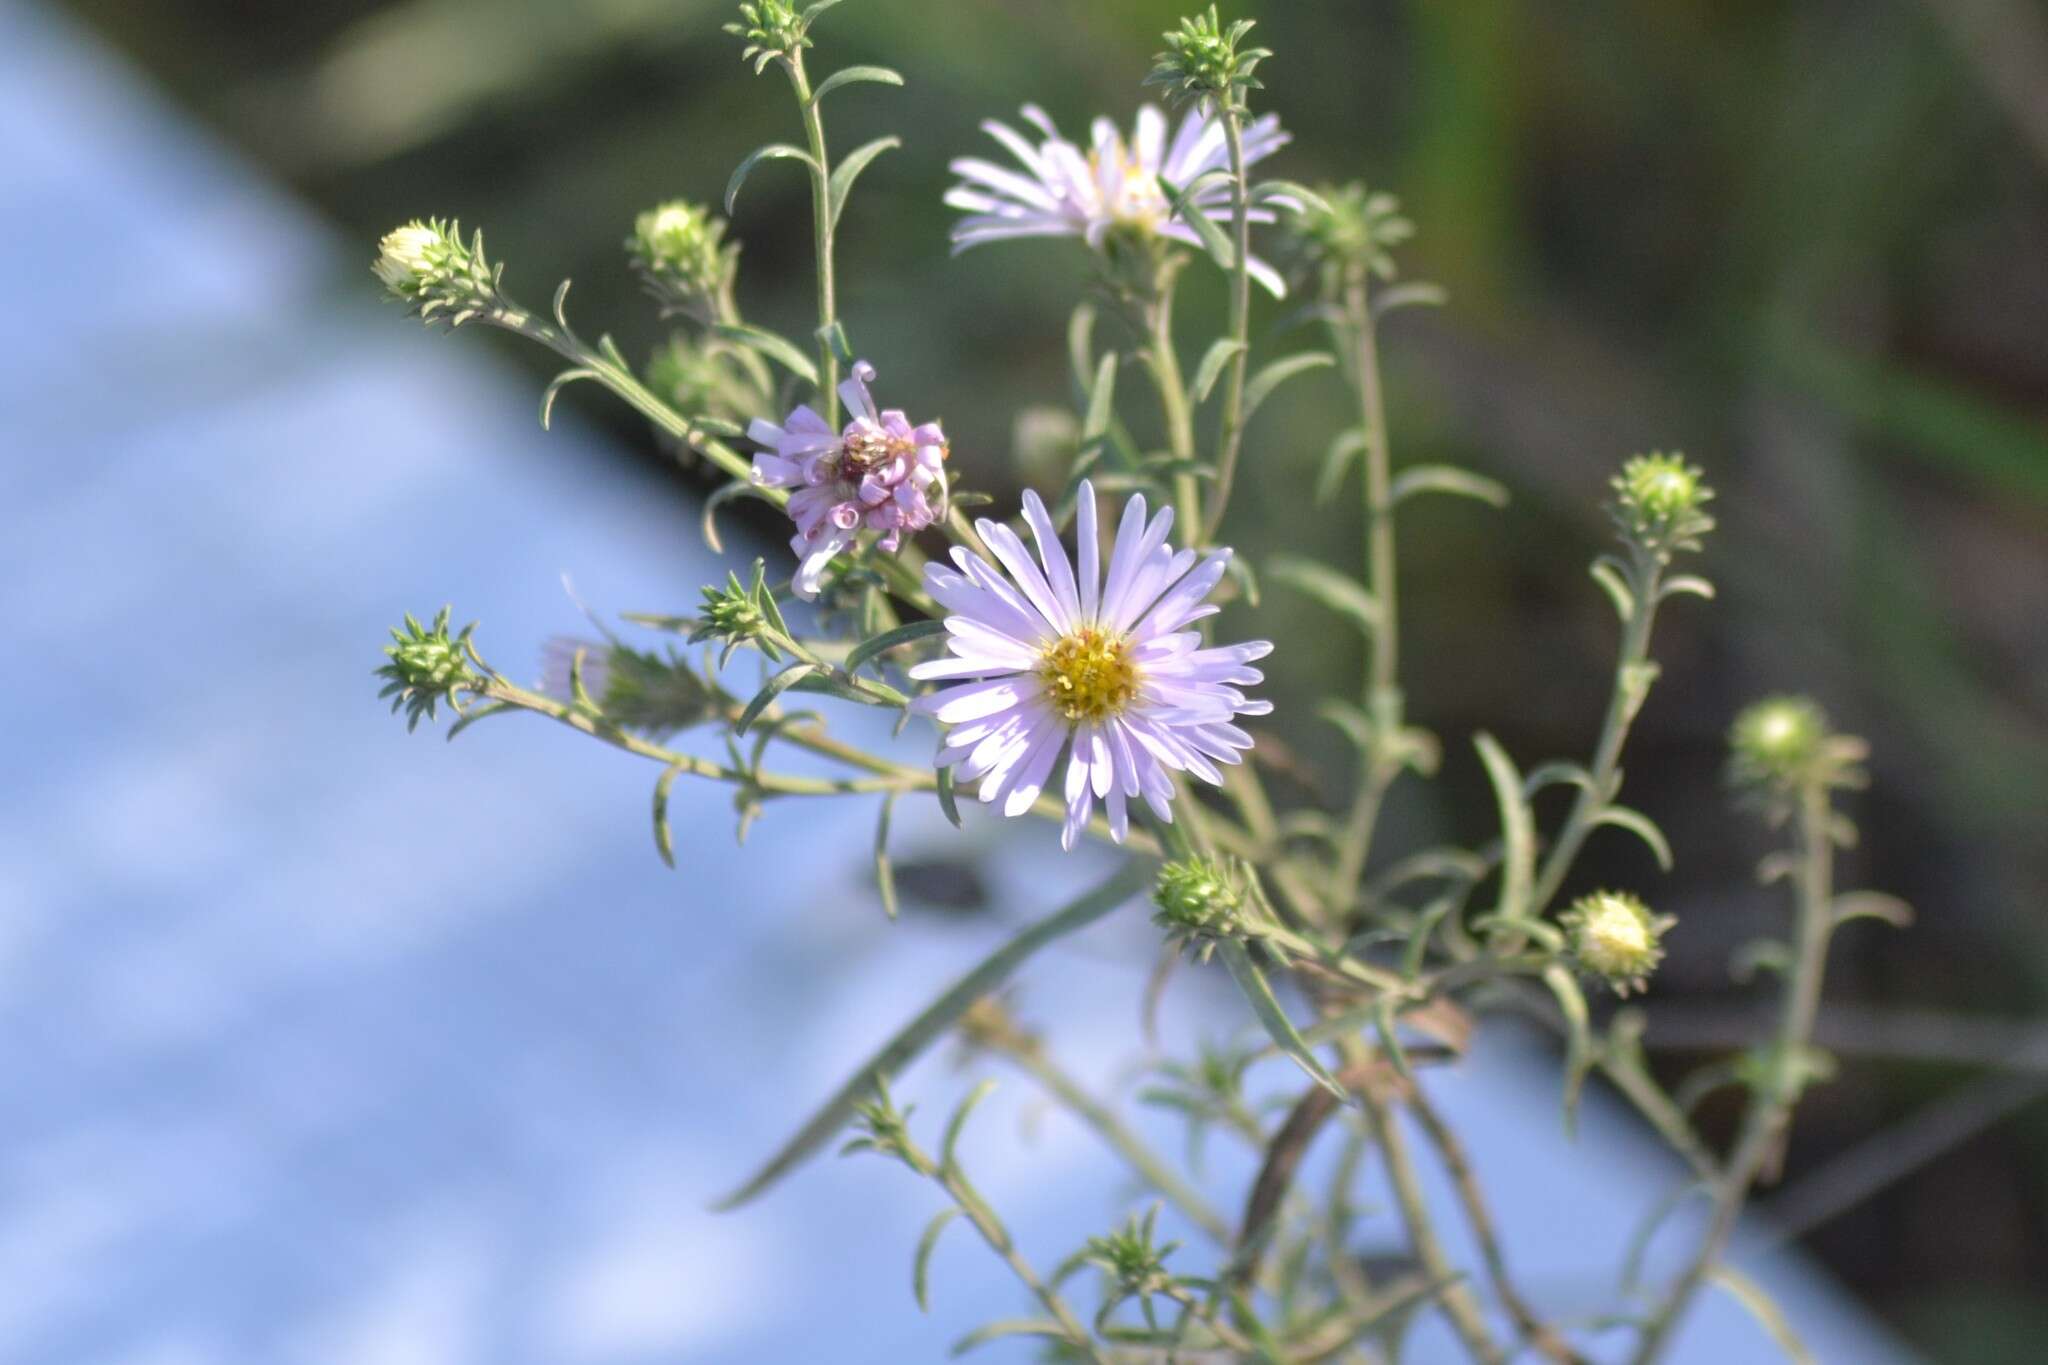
(1202, 61)
(771, 28)
(427, 266)
(1777, 741)
(1616, 938)
(1351, 229)
(1195, 900)
(1660, 502)
(426, 667)
(678, 250)
(1132, 1258)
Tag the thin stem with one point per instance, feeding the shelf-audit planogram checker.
(1383, 660)
(1164, 363)
(1232, 436)
(1459, 1303)
(1451, 1151)
(821, 236)
(970, 1202)
(1631, 684)
(1150, 1166)
(1770, 1107)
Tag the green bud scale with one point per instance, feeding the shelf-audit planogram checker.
(1616, 938)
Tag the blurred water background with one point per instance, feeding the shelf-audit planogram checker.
(319, 1043)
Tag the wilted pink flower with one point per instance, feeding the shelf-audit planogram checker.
(1105, 669)
(1066, 192)
(880, 474)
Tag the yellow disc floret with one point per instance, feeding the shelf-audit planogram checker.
(1089, 674)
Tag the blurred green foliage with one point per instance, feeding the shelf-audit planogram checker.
(1804, 241)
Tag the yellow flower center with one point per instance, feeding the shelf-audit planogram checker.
(1089, 674)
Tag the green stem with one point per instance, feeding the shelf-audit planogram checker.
(1031, 1058)
(1631, 685)
(1164, 362)
(1383, 661)
(821, 235)
(1232, 437)
(1770, 1107)
(1460, 1304)
(969, 1201)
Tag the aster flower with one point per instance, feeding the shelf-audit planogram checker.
(1102, 668)
(879, 474)
(1067, 192)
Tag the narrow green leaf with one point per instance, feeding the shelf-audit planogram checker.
(1009, 1327)
(1578, 1056)
(1101, 398)
(847, 171)
(1415, 294)
(1348, 446)
(774, 151)
(1517, 828)
(1260, 386)
(885, 872)
(1558, 774)
(1337, 591)
(776, 686)
(936, 1019)
(880, 75)
(1081, 344)
(1609, 578)
(943, 788)
(781, 350)
(1280, 192)
(1872, 905)
(664, 838)
(1640, 825)
(1764, 1309)
(1259, 995)
(921, 1268)
(738, 488)
(1218, 246)
(876, 645)
(554, 389)
(1443, 478)
(958, 1123)
(1211, 368)
(1388, 1027)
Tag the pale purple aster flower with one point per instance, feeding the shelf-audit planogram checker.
(1103, 668)
(879, 474)
(1065, 191)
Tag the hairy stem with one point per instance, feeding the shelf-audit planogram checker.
(821, 236)
(1770, 1107)
(1231, 438)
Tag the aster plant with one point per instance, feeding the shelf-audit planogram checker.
(1085, 663)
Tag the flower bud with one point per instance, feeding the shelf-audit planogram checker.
(1194, 900)
(772, 28)
(1202, 61)
(426, 265)
(1616, 938)
(677, 249)
(1660, 502)
(426, 667)
(1776, 741)
(643, 692)
(1349, 229)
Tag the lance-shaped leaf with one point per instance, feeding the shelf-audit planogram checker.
(1517, 829)
(1213, 239)
(776, 686)
(1009, 1327)
(664, 838)
(774, 151)
(847, 171)
(880, 644)
(1260, 386)
(1343, 451)
(936, 1019)
(921, 1268)
(1872, 905)
(1640, 825)
(1337, 591)
(1765, 1310)
(1578, 1054)
(1443, 478)
(885, 871)
(1259, 995)
(781, 350)
(1213, 361)
(879, 75)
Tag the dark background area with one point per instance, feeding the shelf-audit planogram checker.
(1807, 243)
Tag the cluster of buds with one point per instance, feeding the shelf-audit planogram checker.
(428, 666)
(882, 1127)
(427, 266)
(774, 29)
(643, 692)
(1616, 938)
(1782, 745)
(738, 614)
(1195, 903)
(700, 380)
(1203, 62)
(1132, 1258)
(680, 253)
(1349, 231)
(1660, 503)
